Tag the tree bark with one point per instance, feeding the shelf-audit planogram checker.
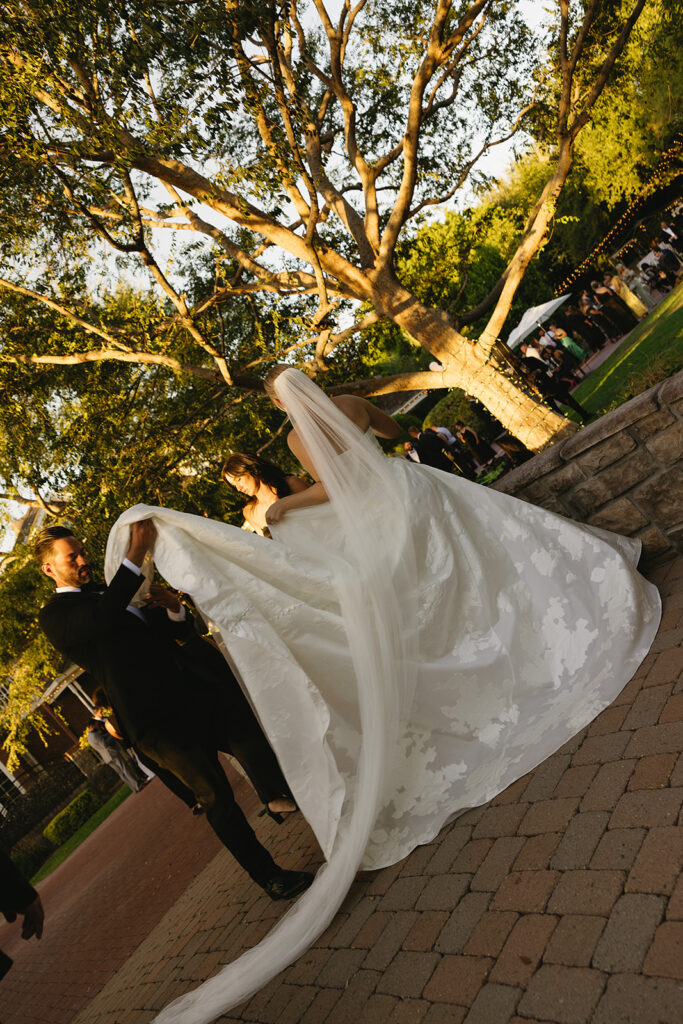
(469, 366)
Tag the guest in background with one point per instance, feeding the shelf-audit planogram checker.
(636, 285)
(624, 293)
(111, 751)
(410, 452)
(481, 450)
(614, 308)
(591, 307)
(583, 328)
(445, 434)
(572, 347)
(670, 237)
(431, 449)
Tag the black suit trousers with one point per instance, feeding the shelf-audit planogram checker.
(195, 762)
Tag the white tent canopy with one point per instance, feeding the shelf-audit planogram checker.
(533, 318)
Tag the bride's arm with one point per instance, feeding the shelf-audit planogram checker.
(314, 495)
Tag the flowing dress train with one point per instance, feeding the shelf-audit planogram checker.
(399, 692)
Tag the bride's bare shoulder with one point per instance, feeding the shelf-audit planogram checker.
(355, 408)
(364, 414)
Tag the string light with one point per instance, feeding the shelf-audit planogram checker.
(658, 177)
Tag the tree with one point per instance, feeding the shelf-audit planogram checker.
(299, 143)
(27, 660)
(635, 122)
(456, 263)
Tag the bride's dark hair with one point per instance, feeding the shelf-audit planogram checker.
(265, 472)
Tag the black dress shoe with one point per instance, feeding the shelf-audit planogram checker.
(285, 885)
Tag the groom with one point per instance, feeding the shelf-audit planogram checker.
(166, 702)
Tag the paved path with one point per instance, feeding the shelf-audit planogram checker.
(559, 901)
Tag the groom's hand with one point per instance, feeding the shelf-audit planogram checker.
(161, 597)
(142, 537)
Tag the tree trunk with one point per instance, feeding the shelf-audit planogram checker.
(466, 365)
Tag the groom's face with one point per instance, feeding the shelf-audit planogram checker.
(67, 564)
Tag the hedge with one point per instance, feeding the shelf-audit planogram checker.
(30, 853)
(75, 814)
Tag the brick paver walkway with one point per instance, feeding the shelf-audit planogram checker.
(559, 901)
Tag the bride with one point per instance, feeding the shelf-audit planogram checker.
(412, 643)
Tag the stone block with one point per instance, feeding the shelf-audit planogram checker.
(537, 851)
(673, 709)
(462, 922)
(665, 958)
(495, 1004)
(580, 840)
(654, 541)
(620, 516)
(471, 856)
(497, 864)
(671, 390)
(567, 995)
(646, 808)
(576, 780)
(633, 999)
(665, 738)
(667, 446)
(525, 891)
(424, 932)
(586, 892)
(618, 849)
(457, 979)
(523, 950)
(529, 472)
(659, 862)
(612, 482)
(601, 454)
(502, 820)
(441, 891)
(545, 777)
(488, 938)
(653, 772)
(574, 940)
(653, 423)
(408, 974)
(562, 479)
(647, 707)
(613, 423)
(661, 498)
(629, 932)
(535, 493)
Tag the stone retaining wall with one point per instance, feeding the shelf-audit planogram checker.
(624, 472)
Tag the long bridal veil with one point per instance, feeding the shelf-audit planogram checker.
(372, 571)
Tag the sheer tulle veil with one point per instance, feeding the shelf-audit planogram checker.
(371, 510)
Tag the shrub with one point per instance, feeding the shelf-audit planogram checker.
(30, 853)
(55, 785)
(68, 821)
(104, 782)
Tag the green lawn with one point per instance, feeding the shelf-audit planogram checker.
(84, 831)
(653, 352)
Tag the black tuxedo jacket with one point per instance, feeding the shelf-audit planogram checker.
(431, 448)
(15, 892)
(142, 669)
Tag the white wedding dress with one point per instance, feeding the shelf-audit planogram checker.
(411, 648)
